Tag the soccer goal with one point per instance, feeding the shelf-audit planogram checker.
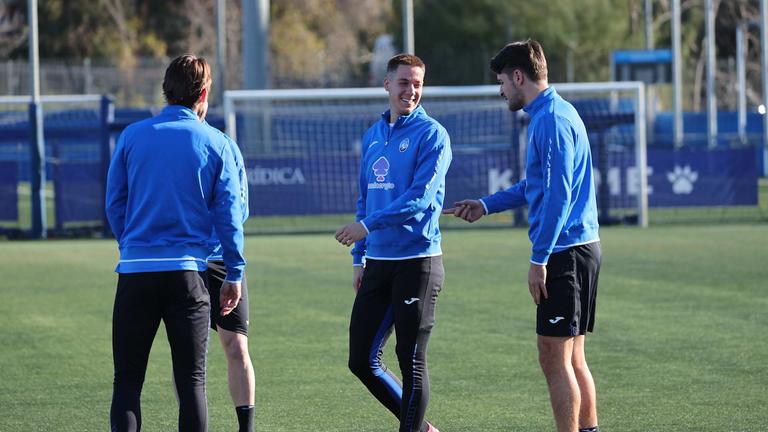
(302, 147)
(74, 128)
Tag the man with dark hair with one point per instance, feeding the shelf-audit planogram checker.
(172, 181)
(397, 259)
(562, 214)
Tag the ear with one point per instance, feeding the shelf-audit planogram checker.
(203, 96)
(386, 82)
(518, 77)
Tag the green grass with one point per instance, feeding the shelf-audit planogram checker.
(679, 343)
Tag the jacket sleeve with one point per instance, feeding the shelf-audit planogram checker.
(228, 205)
(510, 198)
(117, 189)
(432, 164)
(243, 176)
(358, 251)
(557, 154)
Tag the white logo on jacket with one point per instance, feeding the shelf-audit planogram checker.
(380, 169)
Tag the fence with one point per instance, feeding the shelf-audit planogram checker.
(303, 176)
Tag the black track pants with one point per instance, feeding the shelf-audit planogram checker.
(401, 295)
(180, 299)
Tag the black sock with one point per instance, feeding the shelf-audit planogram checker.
(590, 429)
(245, 417)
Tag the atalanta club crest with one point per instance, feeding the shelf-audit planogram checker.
(404, 145)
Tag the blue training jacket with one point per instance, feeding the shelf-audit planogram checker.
(215, 244)
(558, 188)
(172, 178)
(402, 187)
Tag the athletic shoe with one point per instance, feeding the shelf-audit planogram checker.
(431, 428)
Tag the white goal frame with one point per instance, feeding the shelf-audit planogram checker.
(636, 88)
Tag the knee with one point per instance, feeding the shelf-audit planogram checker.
(129, 379)
(579, 365)
(236, 348)
(359, 366)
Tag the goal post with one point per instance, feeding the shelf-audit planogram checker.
(76, 128)
(302, 146)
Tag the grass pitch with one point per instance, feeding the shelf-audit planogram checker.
(679, 342)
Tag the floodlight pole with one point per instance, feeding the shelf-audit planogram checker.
(256, 66)
(221, 48)
(648, 24)
(256, 44)
(37, 145)
(408, 42)
(741, 76)
(677, 81)
(764, 61)
(710, 11)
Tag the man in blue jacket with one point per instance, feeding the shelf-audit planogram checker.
(397, 259)
(172, 181)
(562, 213)
(233, 327)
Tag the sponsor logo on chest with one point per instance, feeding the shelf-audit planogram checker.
(380, 169)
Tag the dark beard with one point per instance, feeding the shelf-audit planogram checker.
(515, 105)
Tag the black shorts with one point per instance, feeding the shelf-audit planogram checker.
(572, 277)
(237, 320)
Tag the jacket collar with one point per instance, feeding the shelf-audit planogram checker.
(403, 119)
(539, 101)
(180, 112)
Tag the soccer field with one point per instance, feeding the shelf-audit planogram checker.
(679, 342)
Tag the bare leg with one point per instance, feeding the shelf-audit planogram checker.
(588, 408)
(242, 382)
(555, 357)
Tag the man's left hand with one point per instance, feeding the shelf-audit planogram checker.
(349, 234)
(537, 282)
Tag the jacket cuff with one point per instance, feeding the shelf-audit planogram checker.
(539, 258)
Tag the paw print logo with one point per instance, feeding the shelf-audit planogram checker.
(682, 179)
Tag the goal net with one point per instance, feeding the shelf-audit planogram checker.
(302, 148)
(73, 128)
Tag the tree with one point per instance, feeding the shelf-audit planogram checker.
(324, 43)
(12, 26)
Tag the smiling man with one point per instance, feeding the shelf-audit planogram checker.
(397, 260)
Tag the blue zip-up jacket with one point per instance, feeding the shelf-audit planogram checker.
(215, 244)
(172, 178)
(402, 187)
(558, 188)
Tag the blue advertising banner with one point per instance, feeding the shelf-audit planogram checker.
(79, 192)
(9, 199)
(316, 184)
(328, 184)
(684, 178)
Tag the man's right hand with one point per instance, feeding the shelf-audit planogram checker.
(357, 277)
(468, 209)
